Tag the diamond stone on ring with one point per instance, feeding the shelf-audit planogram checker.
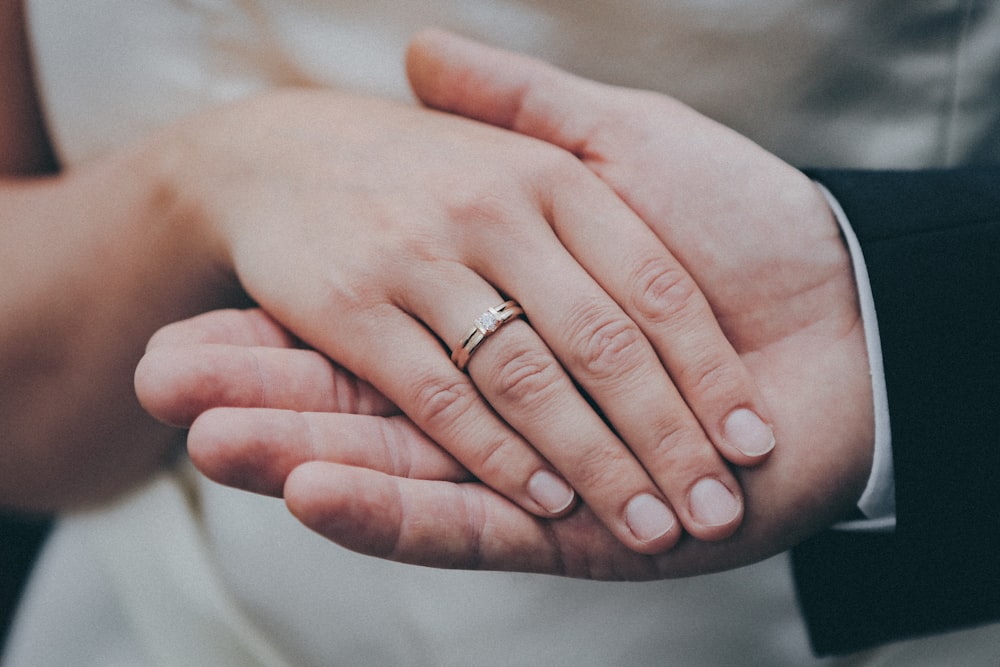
(486, 324)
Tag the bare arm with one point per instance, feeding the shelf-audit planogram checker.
(301, 194)
(91, 266)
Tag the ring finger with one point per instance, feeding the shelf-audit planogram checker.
(525, 384)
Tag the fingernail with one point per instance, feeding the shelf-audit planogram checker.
(748, 433)
(648, 518)
(550, 491)
(712, 504)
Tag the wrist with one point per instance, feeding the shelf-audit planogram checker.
(99, 258)
(877, 502)
(175, 200)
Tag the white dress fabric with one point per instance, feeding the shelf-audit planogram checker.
(185, 572)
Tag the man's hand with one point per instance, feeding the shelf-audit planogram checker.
(758, 237)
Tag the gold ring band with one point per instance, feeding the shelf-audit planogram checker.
(486, 324)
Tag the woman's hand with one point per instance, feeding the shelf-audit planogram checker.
(377, 233)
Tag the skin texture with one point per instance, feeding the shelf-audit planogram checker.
(755, 234)
(78, 307)
(308, 203)
(374, 247)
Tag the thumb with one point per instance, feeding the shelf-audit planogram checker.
(505, 89)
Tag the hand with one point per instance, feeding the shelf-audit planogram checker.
(772, 263)
(376, 231)
(760, 241)
(361, 477)
(284, 405)
(293, 420)
(757, 236)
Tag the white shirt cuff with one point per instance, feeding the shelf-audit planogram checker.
(878, 502)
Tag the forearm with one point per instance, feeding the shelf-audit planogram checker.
(94, 261)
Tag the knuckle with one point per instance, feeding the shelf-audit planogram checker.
(525, 376)
(554, 170)
(481, 209)
(674, 436)
(598, 471)
(710, 381)
(543, 158)
(664, 291)
(439, 402)
(392, 453)
(473, 531)
(562, 164)
(493, 459)
(489, 218)
(607, 344)
(679, 454)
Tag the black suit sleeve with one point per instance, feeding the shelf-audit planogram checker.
(931, 241)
